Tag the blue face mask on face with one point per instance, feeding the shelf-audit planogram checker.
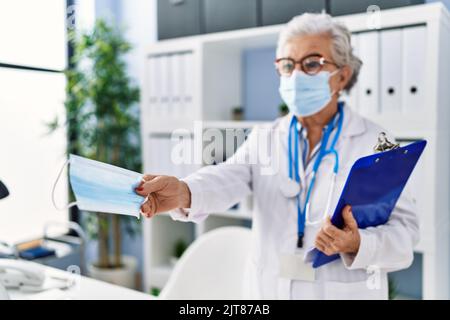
(100, 187)
(304, 94)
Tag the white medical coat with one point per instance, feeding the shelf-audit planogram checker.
(363, 276)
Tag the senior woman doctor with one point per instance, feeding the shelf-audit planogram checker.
(321, 136)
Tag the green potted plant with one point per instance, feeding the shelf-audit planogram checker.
(283, 109)
(237, 113)
(103, 124)
(178, 250)
(392, 289)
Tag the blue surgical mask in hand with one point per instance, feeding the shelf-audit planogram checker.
(306, 94)
(101, 187)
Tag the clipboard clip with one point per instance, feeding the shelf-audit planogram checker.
(384, 144)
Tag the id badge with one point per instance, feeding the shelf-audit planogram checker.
(293, 267)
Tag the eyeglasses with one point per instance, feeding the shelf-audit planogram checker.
(310, 65)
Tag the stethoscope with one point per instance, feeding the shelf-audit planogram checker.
(303, 216)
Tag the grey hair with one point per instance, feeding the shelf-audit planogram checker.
(321, 23)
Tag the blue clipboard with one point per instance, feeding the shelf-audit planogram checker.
(373, 187)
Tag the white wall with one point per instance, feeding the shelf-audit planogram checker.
(139, 18)
(84, 11)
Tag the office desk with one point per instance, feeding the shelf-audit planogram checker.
(84, 289)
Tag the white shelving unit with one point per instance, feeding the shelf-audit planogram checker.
(212, 98)
(231, 124)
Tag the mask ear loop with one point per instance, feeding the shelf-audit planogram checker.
(332, 74)
(70, 205)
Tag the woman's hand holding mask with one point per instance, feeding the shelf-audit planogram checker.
(163, 193)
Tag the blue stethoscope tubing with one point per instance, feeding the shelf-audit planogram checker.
(293, 161)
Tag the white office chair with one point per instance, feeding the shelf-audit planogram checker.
(3, 293)
(212, 267)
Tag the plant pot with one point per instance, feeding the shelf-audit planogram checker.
(124, 276)
(238, 115)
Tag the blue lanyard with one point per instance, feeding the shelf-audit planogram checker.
(295, 174)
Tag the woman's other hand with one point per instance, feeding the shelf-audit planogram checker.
(331, 240)
(163, 193)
